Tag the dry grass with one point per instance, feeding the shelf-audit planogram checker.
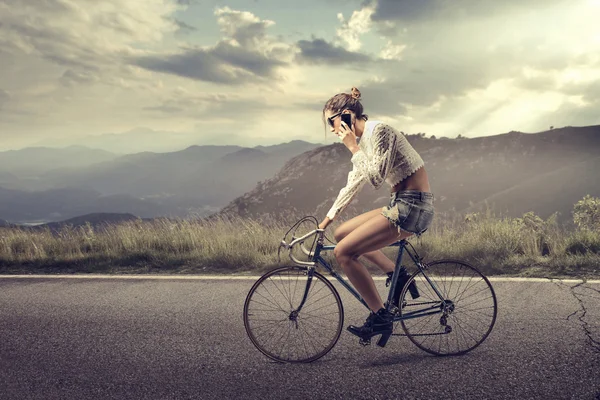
(525, 246)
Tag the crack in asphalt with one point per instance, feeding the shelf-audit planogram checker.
(582, 311)
(591, 288)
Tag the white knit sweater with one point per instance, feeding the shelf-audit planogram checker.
(384, 155)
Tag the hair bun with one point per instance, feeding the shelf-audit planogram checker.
(355, 93)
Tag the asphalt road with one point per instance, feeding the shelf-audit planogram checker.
(90, 338)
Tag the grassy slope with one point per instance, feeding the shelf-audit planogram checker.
(496, 246)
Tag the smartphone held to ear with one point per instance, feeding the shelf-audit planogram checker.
(347, 118)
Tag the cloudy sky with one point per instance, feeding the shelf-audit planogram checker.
(258, 72)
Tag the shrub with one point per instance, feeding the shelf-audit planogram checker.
(583, 241)
(586, 213)
(538, 237)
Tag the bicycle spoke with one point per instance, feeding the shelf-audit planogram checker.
(273, 297)
(268, 300)
(316, 301)
(465, 325)
(301, 337)
(458, 298)
(465, 331)
(475, 302)
(473, 314)
(277, 287)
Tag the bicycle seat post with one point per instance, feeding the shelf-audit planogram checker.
(397, 269)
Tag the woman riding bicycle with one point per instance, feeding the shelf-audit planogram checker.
(382, 154)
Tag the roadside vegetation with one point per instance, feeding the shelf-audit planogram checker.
(524, 246)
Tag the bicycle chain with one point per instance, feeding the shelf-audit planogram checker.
(421, 334)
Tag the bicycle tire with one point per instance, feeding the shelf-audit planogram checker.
(427, 331)
(317, 338)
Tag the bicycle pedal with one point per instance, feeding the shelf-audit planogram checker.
(364, 342)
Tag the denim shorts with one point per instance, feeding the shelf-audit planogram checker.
(410, 210)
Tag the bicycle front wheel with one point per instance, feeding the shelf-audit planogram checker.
(283, 331)
(455, 312)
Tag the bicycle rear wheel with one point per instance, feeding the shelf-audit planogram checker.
(458, 323)
(282, 332)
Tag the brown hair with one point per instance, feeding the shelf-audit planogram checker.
(345, 101)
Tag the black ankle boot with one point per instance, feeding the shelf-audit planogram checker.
(403, 277)
(378, 323)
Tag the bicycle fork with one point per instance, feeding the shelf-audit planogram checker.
(294, 314)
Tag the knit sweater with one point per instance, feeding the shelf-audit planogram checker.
(384, 154)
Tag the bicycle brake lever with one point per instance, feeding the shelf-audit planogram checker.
(282, 244)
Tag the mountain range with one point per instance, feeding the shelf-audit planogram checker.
(54, 185)
(513, 172)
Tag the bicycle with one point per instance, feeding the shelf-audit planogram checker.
(300, 318)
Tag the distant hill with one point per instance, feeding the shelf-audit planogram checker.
(34, 161)
(143, 174)
(198, 180)
(556, 190)
(95, 220)
(131, 141)
(514, 172)
(58, 204)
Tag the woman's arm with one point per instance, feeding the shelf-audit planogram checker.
(384, 152)
(355, 182)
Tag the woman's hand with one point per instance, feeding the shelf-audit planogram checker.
(348, 136)
(323, 225)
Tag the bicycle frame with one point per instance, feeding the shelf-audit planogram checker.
(285, 286)
(434, 309)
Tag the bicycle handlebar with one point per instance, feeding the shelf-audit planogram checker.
(304, 249)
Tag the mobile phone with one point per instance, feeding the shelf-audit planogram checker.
(347, 118)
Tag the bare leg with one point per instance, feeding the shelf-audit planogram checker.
(370, 236)
(381, 260)
(376, 257)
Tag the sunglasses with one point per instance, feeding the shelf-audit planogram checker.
(330, 119)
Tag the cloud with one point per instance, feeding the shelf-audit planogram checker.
(244, 28)
(4, 98)
(319, 51)
(587, 90)
(72, 78)
(310, 105)
(405, 10)
(184, 27)
(571, 113)
(350, 31)
(409, 83)
(439, 66)
(392, 18)
(165, 109)
(245, 54)
(437, 60)
(384, 98)
(224, 63)
(84, 36)
(414, 12)
(213, 106)
(392, 51)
